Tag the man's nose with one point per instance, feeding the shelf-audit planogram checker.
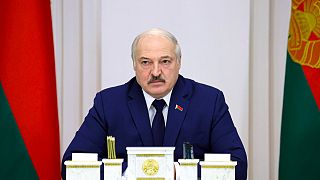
(156, 69)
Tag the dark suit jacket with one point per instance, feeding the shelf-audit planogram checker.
(122, 112)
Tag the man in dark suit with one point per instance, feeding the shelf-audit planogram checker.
(191, 112)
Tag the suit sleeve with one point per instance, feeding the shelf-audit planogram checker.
(225, 138)
(91, 135)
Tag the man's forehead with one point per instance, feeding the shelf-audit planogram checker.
(154, 38)
(161, 57)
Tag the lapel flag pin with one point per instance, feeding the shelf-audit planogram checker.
(178, 107)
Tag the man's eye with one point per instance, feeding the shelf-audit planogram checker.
(144, 62)
(165, 61)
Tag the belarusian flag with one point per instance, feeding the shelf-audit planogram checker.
(29, 129)
(300, 131)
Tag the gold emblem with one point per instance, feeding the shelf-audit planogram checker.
(304, 33)
(150, 167)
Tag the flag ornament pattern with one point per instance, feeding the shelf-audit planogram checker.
(304, 33)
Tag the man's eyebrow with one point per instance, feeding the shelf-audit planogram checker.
(142, 58)
(164, 57)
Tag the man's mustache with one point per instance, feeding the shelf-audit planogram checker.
(156, 79)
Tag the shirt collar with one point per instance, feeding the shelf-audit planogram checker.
(149, 99)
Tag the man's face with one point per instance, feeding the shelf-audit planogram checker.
(156, 65)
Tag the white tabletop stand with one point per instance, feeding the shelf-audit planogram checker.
(112, 169)
(83, 166)
(217, 166)
(146, 163)
(188, 169)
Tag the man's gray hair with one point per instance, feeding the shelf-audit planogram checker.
(160, 32)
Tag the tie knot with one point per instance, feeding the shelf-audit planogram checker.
(159, 104)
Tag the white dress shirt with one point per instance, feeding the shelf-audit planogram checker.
(152, 110)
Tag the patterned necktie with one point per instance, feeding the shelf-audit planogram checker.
(158, 126)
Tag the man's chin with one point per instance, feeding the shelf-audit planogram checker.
(157, 93)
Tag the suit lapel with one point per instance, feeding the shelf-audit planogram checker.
(178, 108)
(139, 112)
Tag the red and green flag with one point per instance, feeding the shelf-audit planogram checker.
(300, 129)
(29, 127)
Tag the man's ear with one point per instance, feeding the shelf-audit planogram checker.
(134, 64)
